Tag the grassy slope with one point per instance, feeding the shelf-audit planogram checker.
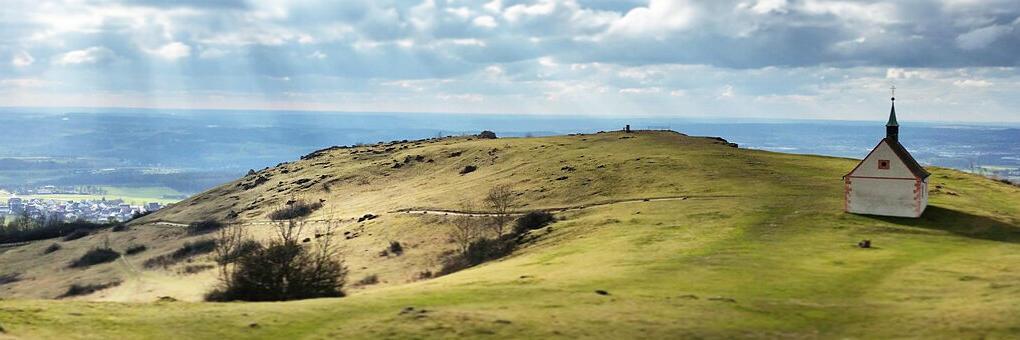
(761, 249)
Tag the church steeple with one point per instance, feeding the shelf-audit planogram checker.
(892, 128)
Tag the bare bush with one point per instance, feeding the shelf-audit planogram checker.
(188, 250)
(95, 256)
(202, 227)
(296, 209)
(86, 289)
(500, 201)
(465, 228)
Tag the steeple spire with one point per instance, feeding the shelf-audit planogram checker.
(892, 128)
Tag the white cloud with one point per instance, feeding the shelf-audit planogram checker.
(318, 55)
(727, 92)
(494, 6)
(460, 12)
(769, 6)
(89, 55)
(972, 83)
(660, 17)
(640, 90)
(172, 51)
(517, 12)
(485, 21)
(22, 59)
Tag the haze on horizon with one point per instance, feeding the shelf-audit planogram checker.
(951, 60)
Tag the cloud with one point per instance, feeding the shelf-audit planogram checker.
(91, 55)
(172, 51)
(660, 17)
(972, 83)
(555, 55)
(982, 37)
(485, 21)
(22, 59)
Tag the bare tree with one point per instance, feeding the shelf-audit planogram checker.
(465, 227)
(229, 241)
(500, 201)
(288, 231)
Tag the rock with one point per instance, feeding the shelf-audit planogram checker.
(166, 299)
(722, 299)
(253, 325)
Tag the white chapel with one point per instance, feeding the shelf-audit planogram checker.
(888, 182)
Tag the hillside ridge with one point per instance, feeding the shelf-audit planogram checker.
(698, 238)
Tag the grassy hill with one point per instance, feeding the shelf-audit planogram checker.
(744, 243)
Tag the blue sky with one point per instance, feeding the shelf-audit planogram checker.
(951, 60)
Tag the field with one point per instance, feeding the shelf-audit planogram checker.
(752, 244)
(131, 195)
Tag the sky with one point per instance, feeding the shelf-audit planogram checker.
(950, 60)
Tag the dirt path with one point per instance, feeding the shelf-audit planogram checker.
(446, 212)
(450, 212)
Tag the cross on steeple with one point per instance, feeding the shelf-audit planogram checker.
(892, 128)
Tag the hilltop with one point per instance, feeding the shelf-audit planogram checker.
(682, 236)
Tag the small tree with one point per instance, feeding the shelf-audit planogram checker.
(229, 241)
(465, 228)
(500, 201)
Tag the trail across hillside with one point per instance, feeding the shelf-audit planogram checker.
(451, 212)
(558, 209)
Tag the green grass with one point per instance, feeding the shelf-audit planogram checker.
(762, 249)
(131, 195)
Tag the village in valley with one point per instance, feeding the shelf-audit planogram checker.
(96, 210)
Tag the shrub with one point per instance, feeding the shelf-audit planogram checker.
(533, 220)
(95, 256)
(468, 169)
(280, 272)
(135, 249)
(294, 210)
(52, 248)
(9, 278)
(369, 280)
(119, 227)
(283, 269)
(195, 268)
(78, 290)
(487, 135)
(139, 214)
(196, 228)
(479, 251)
(396, 248)
(77, 234)
(186, 251)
